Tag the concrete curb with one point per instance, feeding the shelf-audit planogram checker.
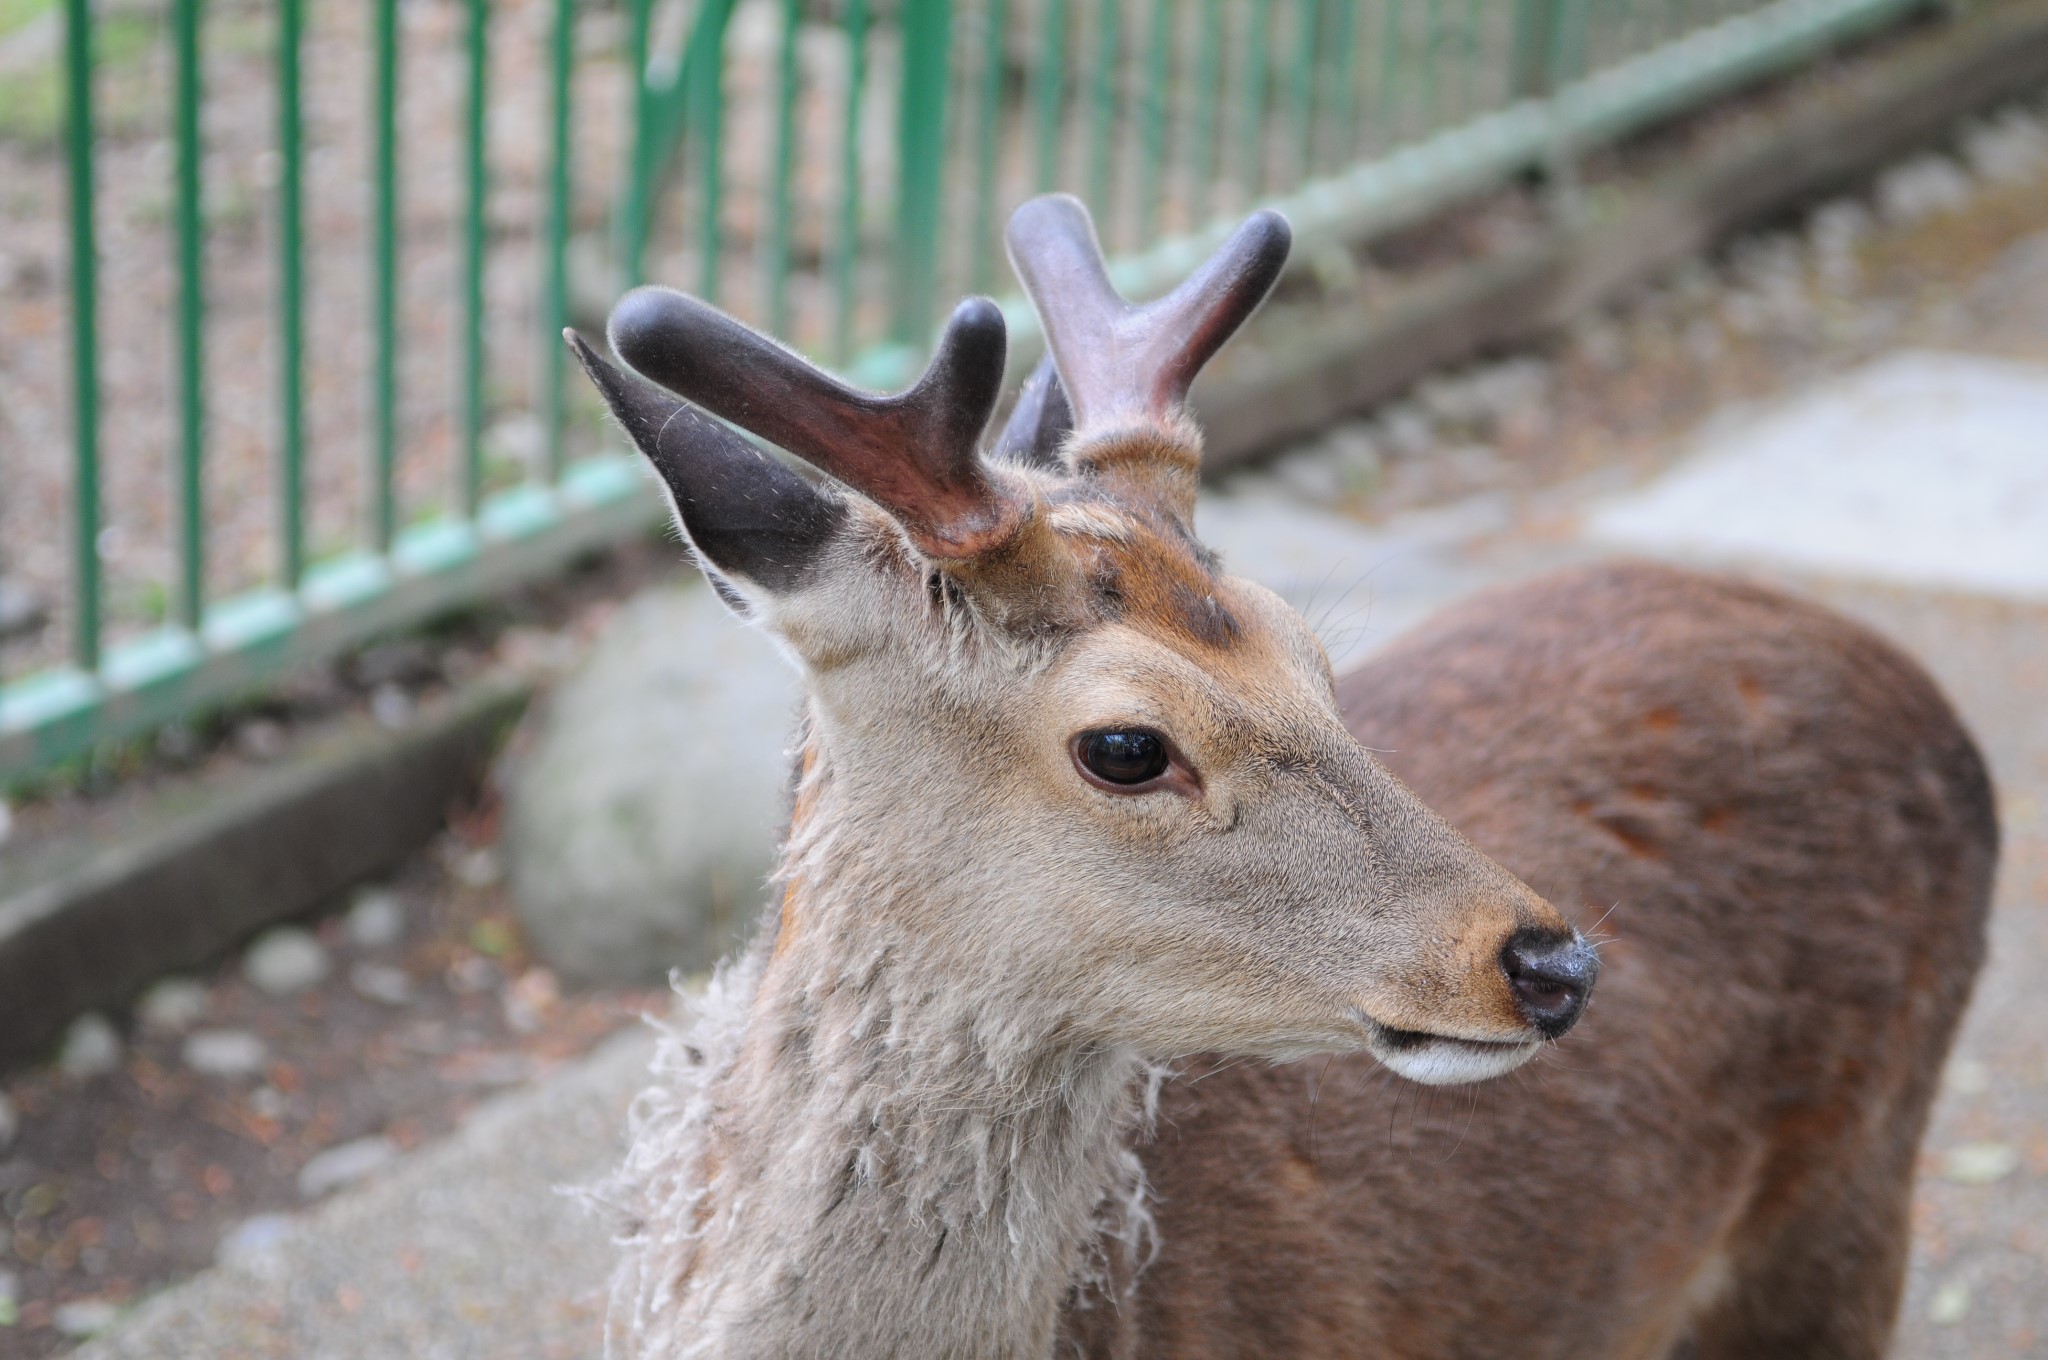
(173, 892)
(1330, 367)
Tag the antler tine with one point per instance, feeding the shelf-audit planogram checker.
(912, 453)
(1120, 362)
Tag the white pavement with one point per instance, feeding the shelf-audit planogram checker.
(1923, 469)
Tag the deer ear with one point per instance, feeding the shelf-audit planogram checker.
(756, 527)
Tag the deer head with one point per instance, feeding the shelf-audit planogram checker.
(1056, 755)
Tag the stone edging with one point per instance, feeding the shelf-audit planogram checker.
(175, 892)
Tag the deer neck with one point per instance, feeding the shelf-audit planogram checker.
(871, 1155)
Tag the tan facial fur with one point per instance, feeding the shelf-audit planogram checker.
(1285, 895)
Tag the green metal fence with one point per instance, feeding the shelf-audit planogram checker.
(833, 171)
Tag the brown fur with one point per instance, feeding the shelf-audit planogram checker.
(924, 1116)
(1796, 839)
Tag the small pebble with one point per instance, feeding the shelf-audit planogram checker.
(1921, 188)
(1951, 1302)
(479, 868)
(1968, 1077)
(531, 998)
(344, 1164)
(10, 1124)
(381, 983)
(375, 920)
(391, 706)
(173, 1005)
(85, 1317)
(269, 1102)
(6, 820)
(1407, 430)
(1980, 1163)
(226, 1053)
(261, 739)
(91, 1048)
(253, 1241)
(2008, 150)
(472, 973)
(10, 1288)
(285, 961)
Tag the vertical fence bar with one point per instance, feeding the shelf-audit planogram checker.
(1208, 108)
(475, 150)
(634, 206)
(846, 257)
(1048, 81)
(1102, 113)
(706, 103)
(1302, 83)
(85, 495)
(1392, 35)
(1152, 130)
(190, 605)
(291, 296)
(555, 296)
(1343, 100)
(1252, 131)
(988, 144)
(921, 159)
(384, 282)
(779, 208)
(1530, 55)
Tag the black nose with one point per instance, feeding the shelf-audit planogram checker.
(1551, 976)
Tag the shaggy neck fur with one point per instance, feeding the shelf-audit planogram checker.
(852, 1150)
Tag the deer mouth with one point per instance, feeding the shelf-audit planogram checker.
(1443, 1059)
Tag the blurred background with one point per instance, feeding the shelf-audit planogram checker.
(370, 754)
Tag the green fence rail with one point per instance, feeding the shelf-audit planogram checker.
(833, 170)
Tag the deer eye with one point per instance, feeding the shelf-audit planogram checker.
(1122, 757)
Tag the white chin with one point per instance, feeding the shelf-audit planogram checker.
(1435, 1061)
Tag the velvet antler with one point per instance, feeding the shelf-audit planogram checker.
(914, 454)
(1122, 364)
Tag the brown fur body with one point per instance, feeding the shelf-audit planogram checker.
(1074, 803)
(1796, 840)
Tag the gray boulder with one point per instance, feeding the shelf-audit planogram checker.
(645, 803)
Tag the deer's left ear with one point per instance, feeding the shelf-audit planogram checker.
(756, 526)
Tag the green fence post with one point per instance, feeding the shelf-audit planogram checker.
(846, 253)
(476, 117)
(1252, 130)
(1048, 92)
(85, 493)
(1302, 84)
(384, 277)
(555, 285)
(1534, 48)
(780, 205)
(921, 157)
(634, 207)
(1102, 116)
(1204, 155)
(988, 145)
(704, 77)
(291, 297)
(1152, 131)
(191, 592)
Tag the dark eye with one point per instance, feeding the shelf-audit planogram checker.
(1126, 757)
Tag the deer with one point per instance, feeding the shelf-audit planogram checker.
(1139, 987)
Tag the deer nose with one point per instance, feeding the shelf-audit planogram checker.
(1551, 976)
